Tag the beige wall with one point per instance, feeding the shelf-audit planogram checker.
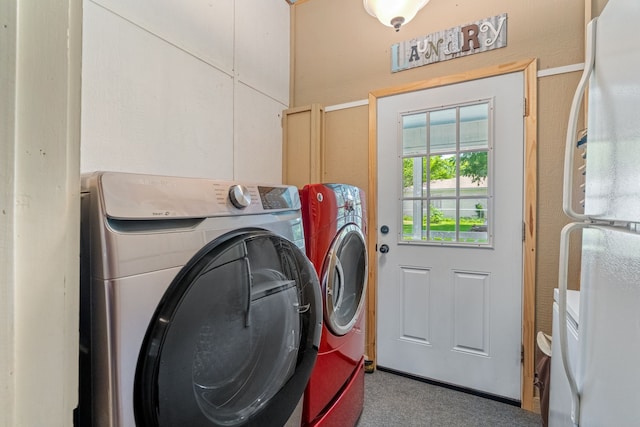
(346, 147)
(340, 54)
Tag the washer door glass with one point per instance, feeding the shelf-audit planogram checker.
(234, 338)
(345, 279)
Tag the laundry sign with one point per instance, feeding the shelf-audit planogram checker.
(480, 36)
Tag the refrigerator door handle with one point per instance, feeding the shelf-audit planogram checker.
(570, 143)
(562, 316)
(562, 307)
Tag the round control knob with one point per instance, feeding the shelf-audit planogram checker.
(239, 196)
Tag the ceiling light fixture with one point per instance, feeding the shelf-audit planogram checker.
(394, 13)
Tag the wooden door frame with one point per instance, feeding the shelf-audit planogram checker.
(529, 69)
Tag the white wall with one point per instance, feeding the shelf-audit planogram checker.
(157, 99)
(40, 46)
(192, 88)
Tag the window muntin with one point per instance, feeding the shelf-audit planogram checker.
(445, 166)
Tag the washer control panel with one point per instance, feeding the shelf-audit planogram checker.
(239, 196)
(277, 197)
(136, 196)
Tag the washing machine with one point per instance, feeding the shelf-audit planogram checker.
(334, 217)
(199, 306)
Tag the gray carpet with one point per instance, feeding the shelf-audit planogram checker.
(393, 400)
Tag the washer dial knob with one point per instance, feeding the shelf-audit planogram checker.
(239, 196)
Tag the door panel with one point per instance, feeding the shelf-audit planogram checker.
(415, 296)
(450, 189)
(470, 313)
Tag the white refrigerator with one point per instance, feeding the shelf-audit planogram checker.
(604, 376)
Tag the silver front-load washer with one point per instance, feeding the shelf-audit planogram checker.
(198, 305)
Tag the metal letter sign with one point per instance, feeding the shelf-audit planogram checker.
(479, 36)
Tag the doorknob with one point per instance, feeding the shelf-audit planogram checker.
(384, 229)
(384, 249)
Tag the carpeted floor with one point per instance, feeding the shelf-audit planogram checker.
(395, 401)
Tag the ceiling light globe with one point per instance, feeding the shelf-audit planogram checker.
(394, 13)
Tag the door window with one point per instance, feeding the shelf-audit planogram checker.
(345, 280)
(446, 175)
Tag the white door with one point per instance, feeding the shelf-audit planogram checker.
(450, 197)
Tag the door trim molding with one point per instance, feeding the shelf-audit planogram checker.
(529, 69)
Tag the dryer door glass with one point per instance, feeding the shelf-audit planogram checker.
(345, 279)
(234, 338)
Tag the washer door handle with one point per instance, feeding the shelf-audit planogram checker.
(302, 308)
(247, 320)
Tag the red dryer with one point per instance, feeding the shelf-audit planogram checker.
(334, 222)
